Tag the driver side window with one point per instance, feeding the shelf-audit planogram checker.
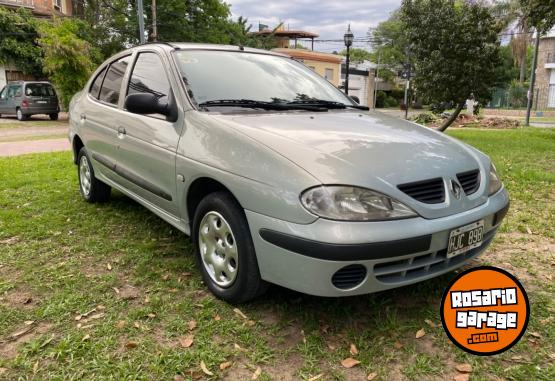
(3, 93)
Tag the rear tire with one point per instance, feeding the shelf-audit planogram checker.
(53, 116)
(91, 189)
(224, 250)
(20, 115)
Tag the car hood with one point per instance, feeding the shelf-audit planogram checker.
(371, 150)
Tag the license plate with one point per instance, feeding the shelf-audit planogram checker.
(42, 102)
(465, 238)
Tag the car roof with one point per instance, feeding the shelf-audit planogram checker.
(27, 82)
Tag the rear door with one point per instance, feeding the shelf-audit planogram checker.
(148, 143)
(98, 115)
(41, 97)
(14, 98)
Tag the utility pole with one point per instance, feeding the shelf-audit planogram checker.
(154, 27)
(376, 78)
(532, 80)
(140, 15)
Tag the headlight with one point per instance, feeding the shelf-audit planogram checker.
(353, 204)
(494, 181)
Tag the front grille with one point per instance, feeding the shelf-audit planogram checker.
(427, 191)
(470, 181)
(424, 265)
(349, 276)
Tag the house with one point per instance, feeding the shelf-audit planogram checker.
(326, 64)
(39, 8)
(545, 72)
(361, 81)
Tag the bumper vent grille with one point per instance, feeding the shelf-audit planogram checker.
(349, 276)
(470, 181)
(427, 191)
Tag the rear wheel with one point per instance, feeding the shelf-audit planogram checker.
(20, 115)
(91, 189)
(53, 116)
(224, 249)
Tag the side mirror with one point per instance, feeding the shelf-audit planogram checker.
(355, 98)
(147, 103)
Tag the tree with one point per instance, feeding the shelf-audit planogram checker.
(69, 59)
(541, 13)
(455, 49)
(388, 40)
(357, 55)
(17, 44)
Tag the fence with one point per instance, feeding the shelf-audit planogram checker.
(516, 98)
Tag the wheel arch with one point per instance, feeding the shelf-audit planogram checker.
(76, 146)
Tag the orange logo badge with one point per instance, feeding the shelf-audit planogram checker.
(485, 310)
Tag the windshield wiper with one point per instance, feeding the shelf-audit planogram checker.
(250, 103)
(326, 104)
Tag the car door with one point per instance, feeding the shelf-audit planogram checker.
(14, 98)
(3, 100)
(97, 115)
(148, 143)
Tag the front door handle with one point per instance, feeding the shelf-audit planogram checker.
(121, 131)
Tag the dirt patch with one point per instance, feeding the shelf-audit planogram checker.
(10, 345)
(531, 258)
(472, 121)
(20, 299)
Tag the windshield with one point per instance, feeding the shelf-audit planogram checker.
(39, 90)
(220, 75)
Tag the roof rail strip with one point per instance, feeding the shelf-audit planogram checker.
(159, 42)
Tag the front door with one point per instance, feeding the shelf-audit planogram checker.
(148, 143)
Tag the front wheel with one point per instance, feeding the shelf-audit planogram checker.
(53, 116)
(92, 189)
(224, 249)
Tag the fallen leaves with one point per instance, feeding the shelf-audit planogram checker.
(398, 344)
(131, 344)
(353, 350)
(256, 373)
(430, 323)
(349, 362)
(86, 337)
(464, 368)
(462, 377)
(192, 325)
(240, 313)
(225, 365)
(420, 333)
(186, 341)
(372, 376)
(317, 377)
(120, 324)
(205, 369)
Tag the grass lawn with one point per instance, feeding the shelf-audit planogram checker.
(111, 292)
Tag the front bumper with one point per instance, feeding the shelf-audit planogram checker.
(321, 258)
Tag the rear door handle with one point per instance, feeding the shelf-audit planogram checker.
(121, 131)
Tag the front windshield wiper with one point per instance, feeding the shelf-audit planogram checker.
(326, 103)
(250, 103)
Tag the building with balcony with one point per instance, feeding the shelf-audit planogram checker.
(545, 72)
(39, 8)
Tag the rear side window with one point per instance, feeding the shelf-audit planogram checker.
(111, 86)
(149, 76)
(14, 91)
(95, 87)
(39, 90)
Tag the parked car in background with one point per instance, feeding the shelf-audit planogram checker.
(277, 175)
(26, 98)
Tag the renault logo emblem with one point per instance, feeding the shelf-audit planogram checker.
(456, 189)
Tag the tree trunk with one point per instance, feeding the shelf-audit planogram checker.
(452, 117)
(522, 69)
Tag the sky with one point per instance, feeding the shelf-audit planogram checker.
(328, 18)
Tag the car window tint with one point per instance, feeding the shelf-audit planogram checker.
(149, 76)
(39, 90)
(95, 87)
(112, 81)
(3, 92)
(14, 91)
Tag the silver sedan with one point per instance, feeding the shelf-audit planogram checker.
(277, 176)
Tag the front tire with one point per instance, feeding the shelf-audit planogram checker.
(20, 115)
(53, 116)
(224, 250)
(91, 189)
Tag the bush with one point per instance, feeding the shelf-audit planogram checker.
(380, 98)
(424, 118)
(390, 102)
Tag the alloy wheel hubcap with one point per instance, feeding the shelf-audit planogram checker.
(85, 175)
(218, 249)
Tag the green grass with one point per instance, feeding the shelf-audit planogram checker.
(56, 252)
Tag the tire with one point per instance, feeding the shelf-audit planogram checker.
(91, 189)
(53, 116)
(20, 115)
(239, 255)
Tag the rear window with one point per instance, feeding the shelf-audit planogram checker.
(95, 88)
(39, 90)
(110, 90)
